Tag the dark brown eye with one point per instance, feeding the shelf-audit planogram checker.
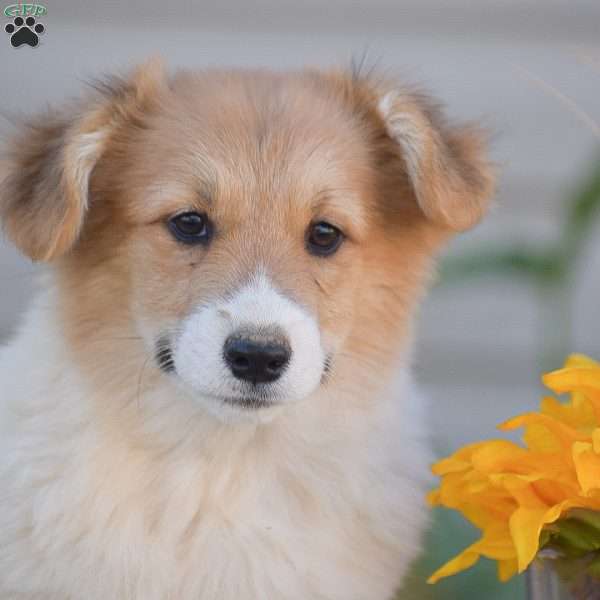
(191, 228)
(323, 238)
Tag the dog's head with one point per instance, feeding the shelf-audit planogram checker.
(261, 234)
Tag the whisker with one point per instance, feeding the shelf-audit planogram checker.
(140, 378)
(118, 338)
(359, 360)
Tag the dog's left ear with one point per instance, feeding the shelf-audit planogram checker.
(44, 192)
(447, 166)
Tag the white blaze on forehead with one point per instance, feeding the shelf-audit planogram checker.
(260, 304)
(198, 352)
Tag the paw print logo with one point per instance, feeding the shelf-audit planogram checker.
(24, 31)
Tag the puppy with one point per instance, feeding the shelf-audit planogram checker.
(210, 397)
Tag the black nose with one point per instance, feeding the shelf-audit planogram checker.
(256, 361)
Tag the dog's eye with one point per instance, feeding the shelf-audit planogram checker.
(190, 228)
(323, 238)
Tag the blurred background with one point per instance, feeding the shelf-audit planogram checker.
(513, 296)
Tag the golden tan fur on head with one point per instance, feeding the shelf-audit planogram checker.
(264, 155)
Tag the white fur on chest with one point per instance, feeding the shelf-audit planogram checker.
(301, 508)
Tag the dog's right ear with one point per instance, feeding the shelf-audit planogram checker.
(44, 188)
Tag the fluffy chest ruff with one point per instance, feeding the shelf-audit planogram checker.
(113, 505)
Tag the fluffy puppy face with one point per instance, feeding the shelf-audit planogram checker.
(264, 235)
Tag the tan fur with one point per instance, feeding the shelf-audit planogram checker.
(264, 155)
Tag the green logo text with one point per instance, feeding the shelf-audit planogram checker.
(25, 10)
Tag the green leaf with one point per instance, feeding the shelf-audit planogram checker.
(526, 262)
(589, 517)
(575, 537)
(585, 205)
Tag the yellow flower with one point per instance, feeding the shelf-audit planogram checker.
(511, 492)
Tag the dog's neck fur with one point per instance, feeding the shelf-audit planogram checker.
(132, 458)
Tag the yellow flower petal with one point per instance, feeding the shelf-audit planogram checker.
(580, 381)
(459, 461)
(507, 569)
(434, 498)
(495, 544)
(459, 563)
(525, 527)
(575, 379)
(558, 433)
(596, 440)
(580, 360)
(587, 466)
(538, 438)
(578, 413)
